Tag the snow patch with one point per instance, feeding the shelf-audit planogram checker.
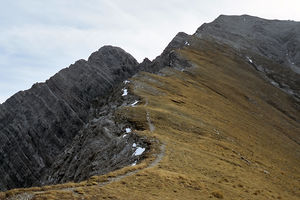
(124, 135)
(274, 83)
(134, 164)
(139, 151)
(126, 81)
(125, 92)
(134, 103)
(187, 43)
(134, 145)
(250, 60)
(128, 130)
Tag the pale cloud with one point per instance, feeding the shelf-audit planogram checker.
(38, 38)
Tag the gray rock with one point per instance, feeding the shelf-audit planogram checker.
(101, 146)
(167, 55)
(37, 124)
(46, 133)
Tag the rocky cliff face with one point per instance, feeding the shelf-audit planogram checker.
(106, 142)
(37, 124)
(165, 59)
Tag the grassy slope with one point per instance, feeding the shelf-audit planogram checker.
(223, 137)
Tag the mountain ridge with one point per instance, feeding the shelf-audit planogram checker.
(101, 118)
(56, 109)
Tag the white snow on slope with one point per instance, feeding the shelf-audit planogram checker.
(128, 130)
(134, 103)
(133, 164)
(125, 92)
(250, 60)
(139, 151)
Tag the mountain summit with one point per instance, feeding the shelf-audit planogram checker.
(216, 115)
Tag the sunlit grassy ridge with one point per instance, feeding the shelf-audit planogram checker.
(223, 137)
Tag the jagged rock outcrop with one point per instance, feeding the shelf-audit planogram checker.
(35, 125)
(104, 144)
(163, 60)
(271, 46)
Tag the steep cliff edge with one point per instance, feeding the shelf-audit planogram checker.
(35, 125)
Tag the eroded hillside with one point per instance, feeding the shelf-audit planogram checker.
(217, 130)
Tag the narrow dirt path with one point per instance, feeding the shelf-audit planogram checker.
(152, 164)
(159, 157)
(151, 126)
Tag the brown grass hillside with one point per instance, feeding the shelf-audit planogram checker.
(228, 134)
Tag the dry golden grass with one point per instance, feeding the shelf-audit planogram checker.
(224, 140)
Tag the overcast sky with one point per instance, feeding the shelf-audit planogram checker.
(38, 38)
